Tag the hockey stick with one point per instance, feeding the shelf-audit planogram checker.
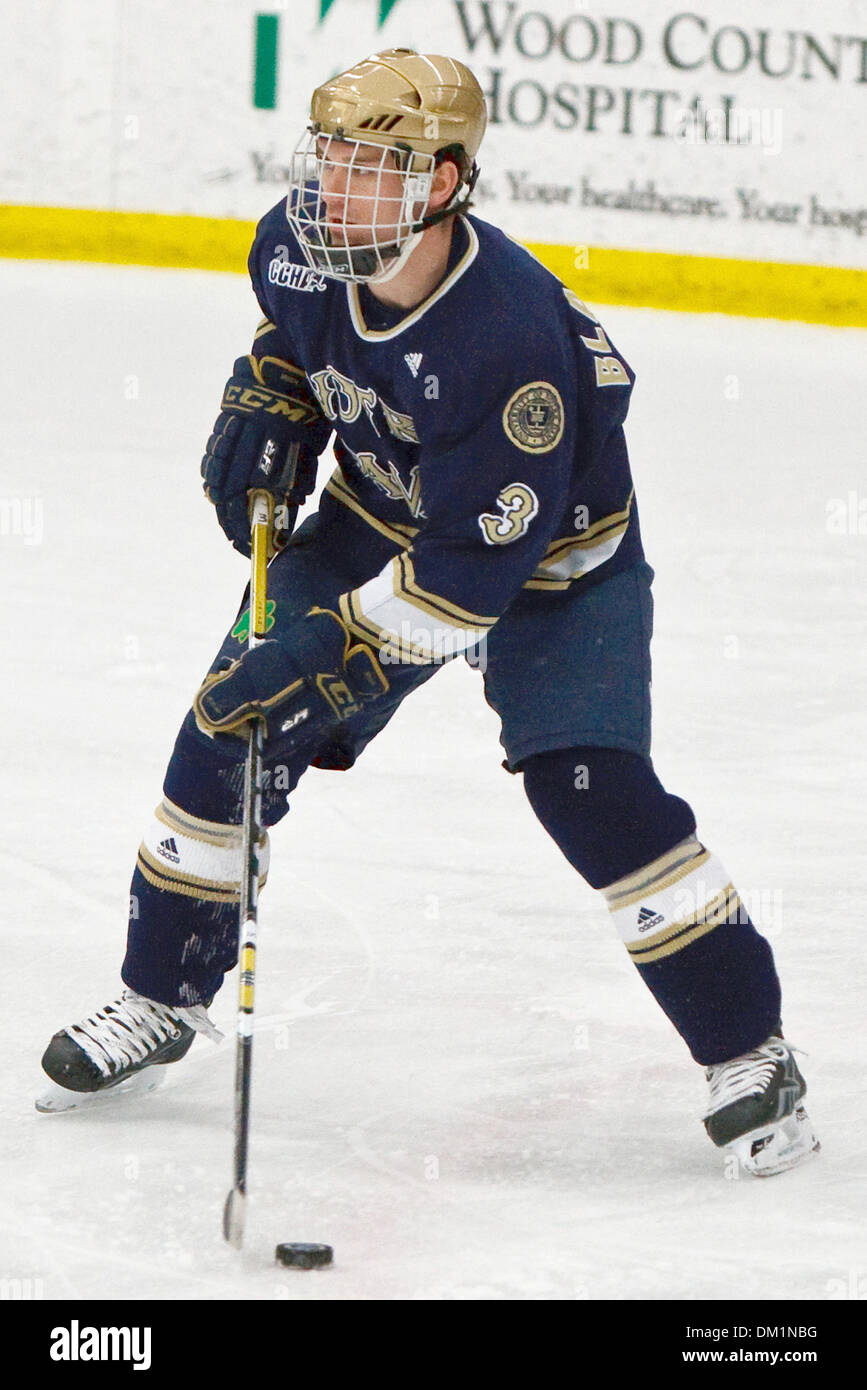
(261, 518)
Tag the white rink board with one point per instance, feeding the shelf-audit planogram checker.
(116, 104)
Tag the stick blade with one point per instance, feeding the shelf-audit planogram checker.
(234, 1213)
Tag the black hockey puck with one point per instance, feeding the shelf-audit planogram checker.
(301, 1256)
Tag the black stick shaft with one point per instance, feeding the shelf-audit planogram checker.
(234, 1212)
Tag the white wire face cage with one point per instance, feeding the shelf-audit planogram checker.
(357, 207)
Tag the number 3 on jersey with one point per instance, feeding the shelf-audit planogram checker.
(518, 505)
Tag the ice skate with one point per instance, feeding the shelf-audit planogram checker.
(755, 1109)
(110, 1051)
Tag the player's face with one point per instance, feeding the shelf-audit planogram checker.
(361, 189)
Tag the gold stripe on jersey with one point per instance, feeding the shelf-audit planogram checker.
(390, 644)
(679, 935)
(339, 488)
(263, 329)
(568, 571)
(571, 557)
(392, 611)
(354, 617)
(604, 523)
(406, 586)
(565, 560)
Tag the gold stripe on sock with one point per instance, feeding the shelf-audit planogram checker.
(211, 832)
(683, 933)
(636, 884)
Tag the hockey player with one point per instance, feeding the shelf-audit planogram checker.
(482, 504)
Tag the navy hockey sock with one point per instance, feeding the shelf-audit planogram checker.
(206, 776)
(606, 808)
(682, 922)
(185, 891)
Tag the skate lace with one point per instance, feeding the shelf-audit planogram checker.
(196, 1017)
(126, 1031)
(747, 1075)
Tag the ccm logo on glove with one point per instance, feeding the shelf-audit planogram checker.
(265, 402)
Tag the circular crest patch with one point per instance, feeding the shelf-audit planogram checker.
(533, 417)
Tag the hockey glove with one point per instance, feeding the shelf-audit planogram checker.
(265, 398)
(314, 677)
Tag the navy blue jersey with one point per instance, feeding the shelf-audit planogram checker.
(479, 436)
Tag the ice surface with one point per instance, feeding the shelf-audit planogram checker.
(459, 1080)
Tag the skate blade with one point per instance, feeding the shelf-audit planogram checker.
(778, 1147)
(55, 1100)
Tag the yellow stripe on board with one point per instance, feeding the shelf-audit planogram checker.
(125, 238)
(713, 284)
(651, 279)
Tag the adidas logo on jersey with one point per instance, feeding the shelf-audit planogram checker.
(169, 850)
(413, 361)
(647, 918)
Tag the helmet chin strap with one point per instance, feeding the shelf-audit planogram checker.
(399, 261)
(456, 203)
(362, 261)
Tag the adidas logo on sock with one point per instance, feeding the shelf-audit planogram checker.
(647, 918)
(169, 850)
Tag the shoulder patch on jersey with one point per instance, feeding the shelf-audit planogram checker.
(534, 417)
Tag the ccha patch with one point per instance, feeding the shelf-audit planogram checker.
(533, 418)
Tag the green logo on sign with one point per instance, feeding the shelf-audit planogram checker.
(241, 630)
(266, 43)
(385, 9)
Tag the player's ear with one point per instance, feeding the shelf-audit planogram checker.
(445, 181)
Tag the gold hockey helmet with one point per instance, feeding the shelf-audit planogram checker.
(395, 112)
(399, 97)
